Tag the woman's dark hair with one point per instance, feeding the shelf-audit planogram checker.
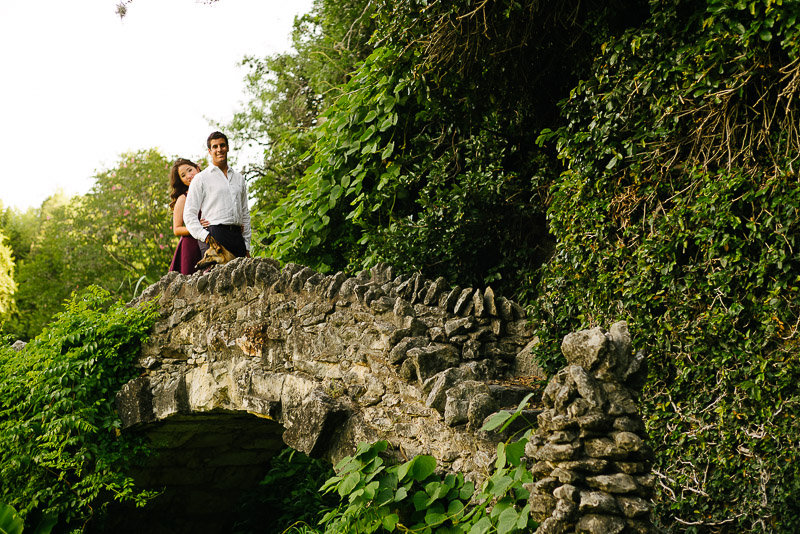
(177, 186)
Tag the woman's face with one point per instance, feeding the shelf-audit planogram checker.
(186, 173)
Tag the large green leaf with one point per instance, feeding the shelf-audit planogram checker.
(10, 522)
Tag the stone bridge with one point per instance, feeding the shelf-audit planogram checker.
(249, 358)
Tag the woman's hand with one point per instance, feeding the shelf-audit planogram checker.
(205, 223)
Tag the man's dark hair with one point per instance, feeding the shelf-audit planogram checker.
(216, 135)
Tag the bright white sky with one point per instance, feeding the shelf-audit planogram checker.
(80, 86)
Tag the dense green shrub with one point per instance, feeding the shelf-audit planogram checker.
(427, 157)
(62, 452)
(412, 497)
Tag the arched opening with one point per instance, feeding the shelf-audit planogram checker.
(206, 464)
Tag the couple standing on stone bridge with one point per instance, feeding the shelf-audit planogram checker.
(219, 193)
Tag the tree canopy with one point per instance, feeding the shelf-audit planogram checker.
(7, 285)
(118, 236)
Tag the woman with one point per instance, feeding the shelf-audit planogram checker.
(188, 252)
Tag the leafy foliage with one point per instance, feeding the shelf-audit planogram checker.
(7, 285)
(666, 177)
(20, 229)
(62, 453)
(287, 92)
(411, 497)
(126, 217)
(10, 522)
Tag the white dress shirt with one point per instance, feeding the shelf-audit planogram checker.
(223, 200)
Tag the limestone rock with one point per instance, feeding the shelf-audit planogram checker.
(311, 427)
(598, 502)
(600, 524)
(616, 483)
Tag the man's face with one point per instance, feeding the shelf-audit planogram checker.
(218, 151)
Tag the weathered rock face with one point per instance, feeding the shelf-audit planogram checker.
(592, 463)
(329, 360)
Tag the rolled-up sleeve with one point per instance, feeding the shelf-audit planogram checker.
(191, 211)
(246, 230)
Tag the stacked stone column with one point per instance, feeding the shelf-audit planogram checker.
(592, 467)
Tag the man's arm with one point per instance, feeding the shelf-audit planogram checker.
(191, 212)
(246, 230)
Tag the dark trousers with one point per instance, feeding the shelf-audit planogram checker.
(230, 237)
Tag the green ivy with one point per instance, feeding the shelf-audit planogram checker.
(678, 211)
(288, 496)
(412, 497)
(62, 452)
(354, 154)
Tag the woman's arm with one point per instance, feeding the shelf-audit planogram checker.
(178, 228)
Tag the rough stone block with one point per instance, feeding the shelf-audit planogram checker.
(587, 348)
(628, 441)
(631, 468)
(478, 303)
(591, 465)
(489, 302)
(436, 386)
(616, 483)
(312, 426)
(464, 300)
(565, 476)
(134, 402)
(546, 485)
(433, 358)
(459, 398)
(567, 492)
(633, 506)
(598, 502)
(455, 327)
(557, 451)
(542, 505)
(400, 351)
(587, 386)
(600, 524)
(403, 308)
(434, 292)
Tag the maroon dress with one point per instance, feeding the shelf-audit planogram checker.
(186, 255)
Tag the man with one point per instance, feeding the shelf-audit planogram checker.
(221, 194)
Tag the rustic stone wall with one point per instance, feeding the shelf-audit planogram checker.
(333, 360)
(592, 463)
